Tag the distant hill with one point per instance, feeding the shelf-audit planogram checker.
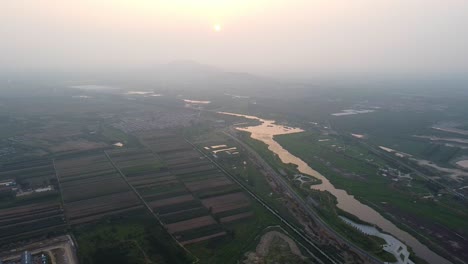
(191, 76)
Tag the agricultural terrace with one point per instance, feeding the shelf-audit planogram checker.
(178, 184)
(92, 188)
(27, 210)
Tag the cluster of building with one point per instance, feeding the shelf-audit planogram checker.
(223, 151)
(158, 120)
(28, 258)
(10, 187)
(395, 174)
(7, 183)
(7, 187)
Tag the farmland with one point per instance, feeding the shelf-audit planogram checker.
(92, 188)
(187, 192)
(26, 212)
(202, 208)
(29, 174)
(34, 219)
(128, 238)
(260, 181)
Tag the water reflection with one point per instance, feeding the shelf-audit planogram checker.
(266, 131)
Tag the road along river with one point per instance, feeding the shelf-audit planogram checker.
(266, 131)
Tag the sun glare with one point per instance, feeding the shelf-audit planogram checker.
(217, 27)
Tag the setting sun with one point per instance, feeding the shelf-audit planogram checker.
(233, 131)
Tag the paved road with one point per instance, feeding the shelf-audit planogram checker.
(287, 188)
(325, 257)
(63, 242)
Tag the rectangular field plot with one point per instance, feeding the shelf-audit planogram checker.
(190, 224)
(174, 158)
(196, 176)
(95, 208)
(193, 164)
(161, 142)
(29, 200)
(178, 207)
(195, 169)
(171, 201)
(190, 195)
(217, 191)
(168, 196)
(207, 184)
(31, 173)
(153, 178)
(92, 188)
(95, 187)
(228, 202)
(155, 191)
(158, 186)
(200, 234)
(136, 162)
(232, 218)
(37, 219)
(203, 238)
(182, 215)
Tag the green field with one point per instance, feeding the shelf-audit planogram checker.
(393, 199)
(305, 146)
(242, 237)
(134, 238)
(327, 209)
(256, 182)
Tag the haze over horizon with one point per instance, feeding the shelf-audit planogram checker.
(281, 38)
(234, 131)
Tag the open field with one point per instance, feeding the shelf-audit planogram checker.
(91, 189)
(401, 198)
(236, 217)
(226, 202)
(331, 242)
(29, 174)
(254, 177)
(32, 220)
(27, 209)
(130, 238)
(190, 224)
(196, 202)
(163, 192)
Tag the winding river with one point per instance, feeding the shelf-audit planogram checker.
(266, 131)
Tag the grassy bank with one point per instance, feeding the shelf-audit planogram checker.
(327, 205)
(354, 168)
(356, 175)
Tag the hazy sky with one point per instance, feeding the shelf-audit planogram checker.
(291, 36)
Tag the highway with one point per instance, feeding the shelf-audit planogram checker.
(65, 243)
(311, 213)
(325, 256)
